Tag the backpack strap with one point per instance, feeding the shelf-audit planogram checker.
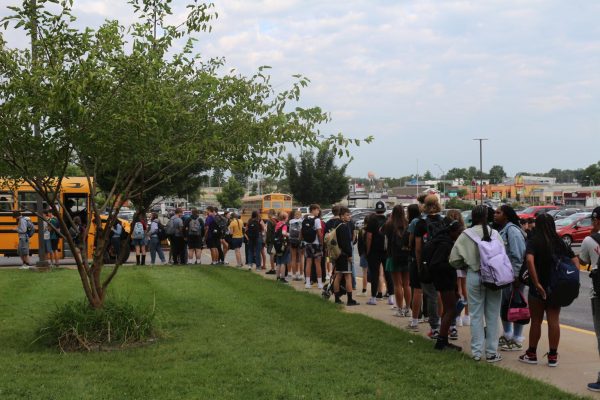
(596, 237)
(472, 235)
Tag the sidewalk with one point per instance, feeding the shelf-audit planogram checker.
(578, 355)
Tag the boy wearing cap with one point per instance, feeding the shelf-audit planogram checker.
(590, 253)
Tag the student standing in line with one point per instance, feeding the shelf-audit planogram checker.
(542, 252)
(362, 253)
(237, 238)
(514, 241)
(590, 254)
(280, 246)
(484, 303)
(296, 249)
(343, 269)
(397, 258)
(194, 229)
(376, 255)
(312, 228)
(414, 214)
(154, 244)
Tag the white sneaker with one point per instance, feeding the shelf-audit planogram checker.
(466, 320)
(399, 313)
(320, 286)
(307, 286)
(372, 301)
(391, 301)
(249, 267)
(327, 277)
(24, 266)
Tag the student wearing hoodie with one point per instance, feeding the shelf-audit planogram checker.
(484, 303)
(514, 241)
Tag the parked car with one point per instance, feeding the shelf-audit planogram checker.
(533, 212)
(566, 212)
(467, 218)
(574, 228)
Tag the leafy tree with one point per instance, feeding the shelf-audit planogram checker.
(315, 178)
(218, 177)
(253, 189)
(104, 102)
(591, 175)
(497, 174)
(427, 176)
(231, 194)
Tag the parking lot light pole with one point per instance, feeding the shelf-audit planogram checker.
(481, 167)
(443, 181)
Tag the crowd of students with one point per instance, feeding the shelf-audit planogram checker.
(426, 265)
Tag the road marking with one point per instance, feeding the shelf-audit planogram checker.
(572, 328)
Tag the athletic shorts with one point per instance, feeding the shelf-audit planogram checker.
(444, 279)
(235, 243)
(54, 243)
(283, 259)
(23, 249)
(313, 250)
(342, 265)
(194, 242)
(391, 266)
(415, 281)
(213, 243)
(299, 245)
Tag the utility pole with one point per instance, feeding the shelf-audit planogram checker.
(443, 181)
(481, 167)
(36, 132)
(417, 177)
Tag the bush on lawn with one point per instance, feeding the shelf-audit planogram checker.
(76, 326)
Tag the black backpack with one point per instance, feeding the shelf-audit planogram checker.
(253, 229)
(595, 274)
(434, 228)
(280, 241)
(309, 234)
(161, 232)
(221, 225)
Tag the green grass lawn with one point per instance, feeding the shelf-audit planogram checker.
(232, 334)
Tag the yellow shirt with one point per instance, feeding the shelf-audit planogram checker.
(235, 227)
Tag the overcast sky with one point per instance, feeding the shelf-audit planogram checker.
(423, 77)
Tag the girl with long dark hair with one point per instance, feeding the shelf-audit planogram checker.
(541, 255)
(396, 264)
(414, 215)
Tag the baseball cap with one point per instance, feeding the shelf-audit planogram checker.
(596, 213)
(380, 206)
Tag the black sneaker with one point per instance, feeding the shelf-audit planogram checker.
(493, 358)
(446, 346)
(552, 359)
(270, 272)
(364, 291)
(352, 303)
(338, 301)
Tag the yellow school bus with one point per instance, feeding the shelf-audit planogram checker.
(74, 194)
(265, 202)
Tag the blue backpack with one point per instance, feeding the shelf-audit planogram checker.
(564, 282)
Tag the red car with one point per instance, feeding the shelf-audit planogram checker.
(574, 228)
(533, 212)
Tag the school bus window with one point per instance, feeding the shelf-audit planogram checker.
(287, 204)
(28, 201)
(6, 201)
(276, 205)
(267, 204)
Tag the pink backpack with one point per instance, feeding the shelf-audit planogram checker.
(495, 270)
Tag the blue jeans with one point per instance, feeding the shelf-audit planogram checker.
(255, 248)
(484, 308)
(155, 247)
(511, 330)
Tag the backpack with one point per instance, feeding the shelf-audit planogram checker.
(564, 282)
(595, 273)
(194, 227)
(332, 246)
(309, 234)
(495, 269)
(221, 225)
(170, 228)
(294, 232)
(138, 231)
(434, 228)
(161, 233)
(30, 228)
(279, 241)
(253, 229)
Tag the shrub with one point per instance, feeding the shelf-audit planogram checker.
(76, 326)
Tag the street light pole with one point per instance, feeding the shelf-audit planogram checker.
(480, 168)
(443, 181)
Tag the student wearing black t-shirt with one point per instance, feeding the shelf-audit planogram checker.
(432, 208)
(376, 254)
(343, 267)
(541, 252)
(330, 225)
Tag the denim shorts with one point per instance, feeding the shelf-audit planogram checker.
(364, 263)
(138, 242)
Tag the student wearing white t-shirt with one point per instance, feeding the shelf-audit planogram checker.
(311, 236)
(296, 247)
(590, 252)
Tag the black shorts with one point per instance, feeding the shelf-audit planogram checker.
(444, 279)
(413, 271)
(213, 243)
(235, 243)
(342, 265)
(54, 243)
(194, 242)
